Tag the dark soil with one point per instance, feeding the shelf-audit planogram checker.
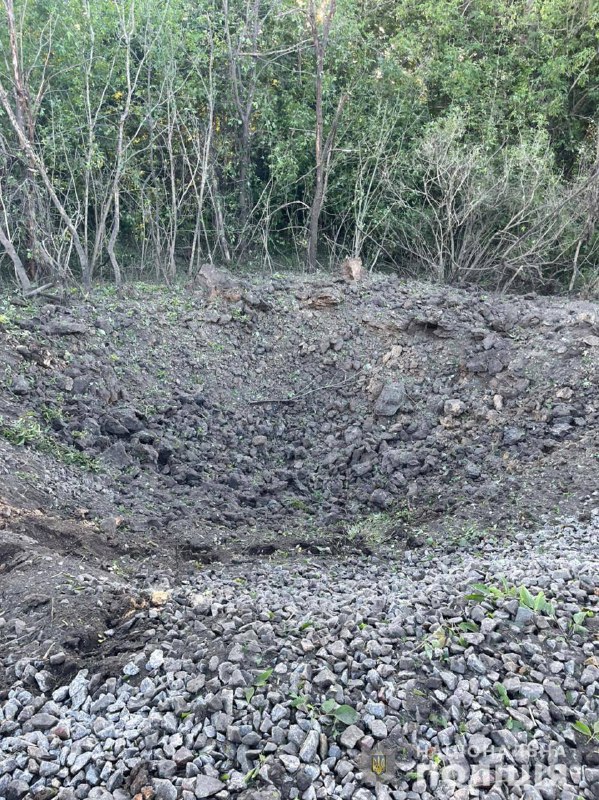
(150, 433)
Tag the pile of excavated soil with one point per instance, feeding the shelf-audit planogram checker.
(155, 428)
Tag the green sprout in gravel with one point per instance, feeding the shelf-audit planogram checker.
(253, 773)
(537, 603)
(260, 681)
(340, 713)
(302, 703)
(379, 527)
(263, 678)
(588, 729)
(435, 643)
(579, 619)
(25, 431)
(502, 694)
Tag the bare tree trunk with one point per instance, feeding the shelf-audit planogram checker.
(175, 198)
(204, 152)
(244, 180)
(323, 147)
(127, 27)
(127, 21)
(36, 164)
(26, 119)
(592, 216)
(219, 220)
(116, 224)
(20, 271)
(323, 160)
(201, 153)
(243, 88)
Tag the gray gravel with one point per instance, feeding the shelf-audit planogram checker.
(277, 680)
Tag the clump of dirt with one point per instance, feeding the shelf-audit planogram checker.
(159, 429)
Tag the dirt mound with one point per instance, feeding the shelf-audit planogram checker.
(314, 415)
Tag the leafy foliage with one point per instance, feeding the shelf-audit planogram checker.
(588, 729)
(537, 603)
(341, 713)
(177, 133)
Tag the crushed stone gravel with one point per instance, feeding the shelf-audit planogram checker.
(470, 674)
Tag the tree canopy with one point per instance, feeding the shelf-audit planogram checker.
(453, 139)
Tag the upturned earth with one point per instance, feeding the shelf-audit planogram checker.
(266, 456)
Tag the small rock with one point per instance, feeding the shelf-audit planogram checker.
(20, 385)
(16, 790)
(449, 679)
(393, 398)
(512, 436)
(524, 615)
(454, 408)
(351, 736)
(531, 691)
(309, 748)
(478, 745)
(45, 680)
(378, 728)
(165, 790)
(65, 327)
(589, 675)
(78, 689)
(291, 763)
(155, 661)
(43, 721)
(205, 786)
(324, 678)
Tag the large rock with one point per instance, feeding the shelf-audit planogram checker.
(78, 689)
(117, 456)
(206, 786)
(65, 327)
(43, 721)
(393, 398)
(513, 435)
(20, 385)
(351, 736)
(122, 422)
(309, 748)
(165, 790)
(16, 790)
(269, 793)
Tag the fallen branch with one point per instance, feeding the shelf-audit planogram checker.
(302, 395)
(38, 290)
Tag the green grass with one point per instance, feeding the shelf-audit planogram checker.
(26, 431)
(375, 528)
